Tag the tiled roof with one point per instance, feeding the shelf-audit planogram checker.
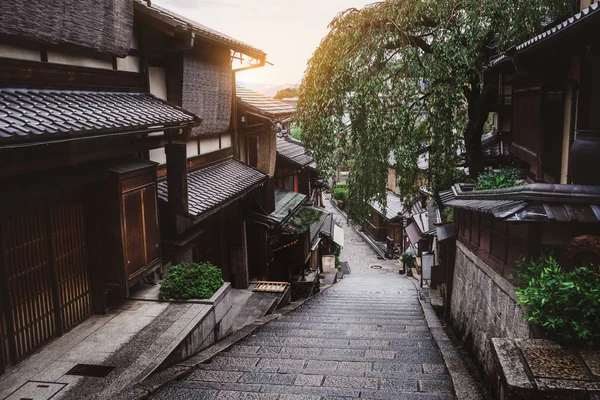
(212, 186)
(585, 16)
(203, 31)
(318, 226)
(534, 202)
(394, 206)
(292, 150)
(286, 202)
(490, 145)
(263, 105)
(33, 115)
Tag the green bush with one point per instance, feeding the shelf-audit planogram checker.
(340, 194)
(409, 259)
(191, 281)
(565, 304)
(505, 178)
(343, 184)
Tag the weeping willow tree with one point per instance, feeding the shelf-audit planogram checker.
(400, 78)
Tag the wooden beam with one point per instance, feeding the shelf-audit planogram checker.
(44, 75)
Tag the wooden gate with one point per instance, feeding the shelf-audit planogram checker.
(43, 278)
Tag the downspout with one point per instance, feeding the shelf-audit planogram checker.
(235, 138)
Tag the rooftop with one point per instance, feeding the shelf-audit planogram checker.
(394, 207)
(293, 151)
(585, 17)
(180, 22)
(28, 115)
(286, 203)
(217, 184)
(533, 202)
(263, 105)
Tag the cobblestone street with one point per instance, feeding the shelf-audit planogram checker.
(365, 337)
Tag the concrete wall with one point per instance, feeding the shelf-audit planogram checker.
(483, 306)
(212, 325)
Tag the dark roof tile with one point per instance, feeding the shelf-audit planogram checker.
(31, 114)
(293, 151)
(263, 105)
(211, 186)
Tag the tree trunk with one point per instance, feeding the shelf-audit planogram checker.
(479, 102)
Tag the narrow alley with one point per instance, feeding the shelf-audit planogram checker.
(365, 337)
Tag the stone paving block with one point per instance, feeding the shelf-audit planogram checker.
(266, 377)
(404, 385)
(387, 354)
(351, 382)
(245, 361)
(278, 363)
(343, 353)
(435, 386)
(269, 350)
(321, 365)
(185, 394)
(308, 380)
(434, 368)
(243, 349)
(355, 366)
(214, 376)
(302, 351)
(232, 395)
(397, 367)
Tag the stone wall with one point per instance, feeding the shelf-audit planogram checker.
(483, 306)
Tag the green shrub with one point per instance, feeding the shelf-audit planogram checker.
(340, 194)
(343, 184)
(565, 304)
(409, 259)
(506, 177)
(191, 281)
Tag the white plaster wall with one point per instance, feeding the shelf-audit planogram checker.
(158, 155)
(20, 53)
(129, 64)
(76, 59)
(192, 148)
(158, 82)
(226, 140)
(209, 145)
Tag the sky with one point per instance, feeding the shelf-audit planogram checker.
(287, 30)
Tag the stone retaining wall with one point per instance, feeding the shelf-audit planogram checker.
(210, 325)
(483, 306)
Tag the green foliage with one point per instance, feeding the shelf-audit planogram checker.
(296, 133)
(303, 219)
(286, 93)
(448, 214)
(340, 193)
(341, 184)
(337, 249)
(191, 281)
(565, 304)
(397, 77)
(505, 178)
(409, 260)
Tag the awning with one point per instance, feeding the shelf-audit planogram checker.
(216, 185)
(286, 203)
(338, 235)
(413, 233)
(32, 115)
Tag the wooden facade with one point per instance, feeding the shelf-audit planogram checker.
(80, 220)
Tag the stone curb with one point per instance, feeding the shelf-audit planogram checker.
(464, 385)
(144, 390)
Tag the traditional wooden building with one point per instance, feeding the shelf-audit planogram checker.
(554, 134)
(88, 126)
(296, 169)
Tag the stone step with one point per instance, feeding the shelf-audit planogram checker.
(264, 340)
(334, 326)
(410, 371)
(349, 320)
(336, 336)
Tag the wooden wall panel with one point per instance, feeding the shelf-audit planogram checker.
(70, 263)
(31, 304)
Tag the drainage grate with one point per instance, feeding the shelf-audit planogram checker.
(96, 371)
(36, 391)
(376, 266)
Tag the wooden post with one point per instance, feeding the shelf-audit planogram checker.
(238, 251)
(177, 183)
